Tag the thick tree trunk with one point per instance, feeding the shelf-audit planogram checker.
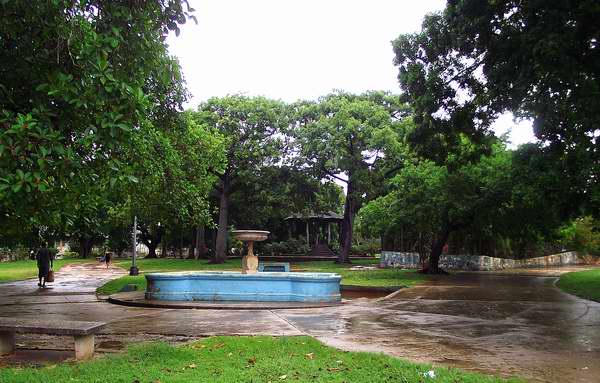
(152, 250)
(192, 246)
(220, 254)
(346, 226)
(201, 249)
(151, 240)
(438, 246)
(181, 245)
(85, 247)
(163, 248)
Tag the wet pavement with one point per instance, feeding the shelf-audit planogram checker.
(505, 324)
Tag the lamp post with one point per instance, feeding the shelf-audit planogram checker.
(134, 270)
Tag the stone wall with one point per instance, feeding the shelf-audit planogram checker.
(391, 259)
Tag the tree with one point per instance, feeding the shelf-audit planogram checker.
(429, 198)
(537, 59)
(279, 191)
(175, 172)
(79, 80)
(346, 137)
(252, 128)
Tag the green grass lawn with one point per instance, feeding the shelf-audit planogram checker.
(241, 359)
(18, 270)
(584, 284)
(372, 278)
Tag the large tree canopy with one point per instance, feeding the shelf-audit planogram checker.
(77, 81)
(537, 59)
(351, 138)
(426, 197)
(252, 129)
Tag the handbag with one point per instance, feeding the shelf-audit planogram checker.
(50, 277)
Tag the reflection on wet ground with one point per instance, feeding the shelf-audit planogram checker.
(503, 324)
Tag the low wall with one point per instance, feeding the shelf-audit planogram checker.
(391, 259)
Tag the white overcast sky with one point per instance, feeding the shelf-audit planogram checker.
(300, 49)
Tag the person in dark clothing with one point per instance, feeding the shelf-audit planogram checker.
(44, 262)
(107, 259)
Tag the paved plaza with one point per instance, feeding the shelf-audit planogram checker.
(514, 323)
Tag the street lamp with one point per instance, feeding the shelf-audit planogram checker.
(133, 270)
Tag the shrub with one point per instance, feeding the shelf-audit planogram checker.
(70, 254)
(371, 247)
(291, 246)
(583, 235)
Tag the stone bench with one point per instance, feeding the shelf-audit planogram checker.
(82, 332)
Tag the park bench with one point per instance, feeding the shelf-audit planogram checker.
(82, 332)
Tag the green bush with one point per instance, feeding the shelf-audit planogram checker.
(13, 254)
(366, 248)
(291, 246)
(70, 255)
(582, 235)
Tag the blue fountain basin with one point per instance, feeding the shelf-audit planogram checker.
(235, 286)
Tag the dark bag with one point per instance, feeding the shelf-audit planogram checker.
(50, 277)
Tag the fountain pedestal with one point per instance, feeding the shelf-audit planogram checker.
(250, 261)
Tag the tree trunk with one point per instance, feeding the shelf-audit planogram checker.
(163, 248)
(152, 249)
(151, 240)
(346, 226)
(200, 243)
(85, 247)
(220, 254)
(192, 247)
(181, 244)
(438, 246)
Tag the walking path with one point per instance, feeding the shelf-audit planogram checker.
(502, 324)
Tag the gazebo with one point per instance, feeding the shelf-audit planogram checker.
(316, 227)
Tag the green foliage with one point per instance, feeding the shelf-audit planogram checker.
(14, 253)
(275, 192)
(252, 131)
(584, 284)
(242, 359)
(537, 59)
(80, 80)
(355, 139)
(582, 235)
(370, 247)
(427, 202)
(250, 126)
(291, 246)
(69, 255)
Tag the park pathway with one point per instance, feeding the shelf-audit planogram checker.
(501, 324)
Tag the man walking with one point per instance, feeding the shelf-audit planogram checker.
(44, 262)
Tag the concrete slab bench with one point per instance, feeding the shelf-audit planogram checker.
(82, 332)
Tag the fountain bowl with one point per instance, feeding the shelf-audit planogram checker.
(250, 235)
(234, 286)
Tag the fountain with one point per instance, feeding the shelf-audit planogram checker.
(250, 261)
(249, 285)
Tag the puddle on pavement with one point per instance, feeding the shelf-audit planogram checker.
(356, 294)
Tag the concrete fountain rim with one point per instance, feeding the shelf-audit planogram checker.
(137, 299)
